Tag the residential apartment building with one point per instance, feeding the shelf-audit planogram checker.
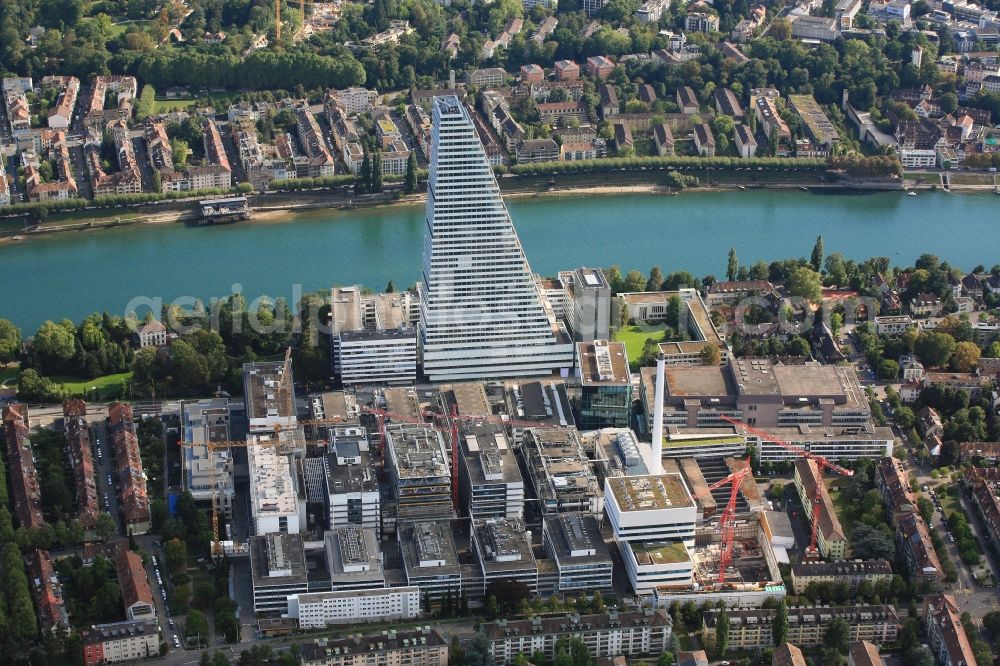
(893, 324)
(456, 342)
(418, 647)
(120, 641)
(701, 22)
(830, 536)
(852, 572)
(133, 502)
(912, 536)
(492, 77)
(81, 459)
(942, 622)
(353, 100)
(606, 635)
(46, 590)
(24, 487)
(752, 628)
(137, 596)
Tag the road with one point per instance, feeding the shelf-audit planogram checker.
(104, 467)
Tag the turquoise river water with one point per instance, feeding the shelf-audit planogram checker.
(72, 274)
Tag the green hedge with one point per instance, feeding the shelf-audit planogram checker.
(677, 162)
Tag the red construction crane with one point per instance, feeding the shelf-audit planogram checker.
(822, 464)
(727, 526)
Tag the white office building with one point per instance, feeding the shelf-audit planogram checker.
(653, 518)
(317, 610)
(277, 572)
(481, 313)
(202, 423)
(370, 350)
(351, 485)
(490, 483)
(274, 496)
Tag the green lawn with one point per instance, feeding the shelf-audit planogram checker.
(846, 511)
(970, 178)
(221, 100)
(76, 385)
(635, 338)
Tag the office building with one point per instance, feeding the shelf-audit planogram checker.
(560, 471)
(605, 385)
(316, 610)
(350, 483)
(376, 349)
(417, 647)
(206, 471)
(752, 628)
(278, 570)
(653, 518)
(480, 314)
(850, 572)
(120, 641)
(588, 303)
(274, 492)
(430, 559)
(490, 483)
(419, 471)
(574, 542)
(270, 395)
(502, 548)
(606, 635)
(353, 559)
(544, 403)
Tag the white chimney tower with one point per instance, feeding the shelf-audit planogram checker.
(656, 447)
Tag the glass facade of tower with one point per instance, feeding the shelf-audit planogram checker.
(481, 313)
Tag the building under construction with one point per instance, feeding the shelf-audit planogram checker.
(420, 472)
(270, 395)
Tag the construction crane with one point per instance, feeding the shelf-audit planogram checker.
(727, 522)
(212, 446)
(822, 464)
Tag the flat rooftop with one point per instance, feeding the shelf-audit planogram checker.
(403, 402)
(416, 452)
(603, 363)
(545, 402)
(350, 478)
(576, 539)
(272, 487)
(674, 552)
(503, 545)
(321, 650)
(650, 492)
(468, 397)
(353, 556)
(268, 390)
(693, 381)
(277, 559)
(345, 310)
(428, 549)
(488, 456)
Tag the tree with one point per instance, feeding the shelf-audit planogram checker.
(888, 369)
(390, 288)
(838, 636)
(176, 553)
(965, 357)
(722, 631)
(54, 342)
(196, 626)
(817, 254)
(733, 265)
(949, 102)
(871, 543)
(934, 348)
(780, 29)
(376, 175)
(780, 627)
(362, 183)
(634, 281)
(655, 281)
(836, 323)
(10, 341)
(805, 283)
(410, 179)
(710, 355)
(105, 526)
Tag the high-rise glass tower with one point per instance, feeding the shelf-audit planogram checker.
(481, 315)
